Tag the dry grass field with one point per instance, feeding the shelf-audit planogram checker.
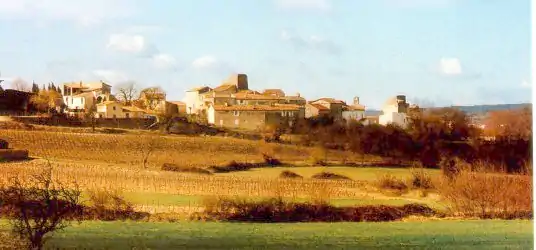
(129, 149)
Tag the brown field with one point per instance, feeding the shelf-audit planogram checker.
(114, 162)
(128, 149)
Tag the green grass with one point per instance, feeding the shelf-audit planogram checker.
(356, 173)
(490, 234)
(150, 198)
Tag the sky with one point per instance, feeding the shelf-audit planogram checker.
(436, 52)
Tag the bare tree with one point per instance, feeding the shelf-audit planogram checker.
(149, 144)
(21, 85)
(126, 92)
(153, 96)
(41, 209)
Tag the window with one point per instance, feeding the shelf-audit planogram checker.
(290, 114)
(283, 113)
(236, 113)
(83, 100)
(236, 122)
(127, 115)
(113, 108)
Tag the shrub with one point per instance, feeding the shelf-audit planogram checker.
(450, 168)
(318, 156)
(233, 166)
(278, 210)
(109, 205)
(487, 195)
(330, 176)
(37, 211)
(290, 174)
(176, 168)
(4, 144)
(419, 179)
(392, 183)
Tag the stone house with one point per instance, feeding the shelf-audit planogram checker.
(194, 99)
(254, 117)
(395, 111)
(334, 106)
(353, 112)
(114, 109)
(315, 110)
(79, 97)
(274, 92)
(296, 99)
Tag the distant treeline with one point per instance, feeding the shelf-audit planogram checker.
(433, 137)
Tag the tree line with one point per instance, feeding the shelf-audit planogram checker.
(433, 137)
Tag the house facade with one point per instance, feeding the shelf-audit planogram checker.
(354, 112)
(315, 110)
(80, 97)
(254, 117)
(335, 106)
(395, 112)
(194, 99)
(116, 110)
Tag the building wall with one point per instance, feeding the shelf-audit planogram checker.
(355, 115)
(108, 111)
(399, 119)
(311, 111)
(191, 101)
(243, 119)
(252, 120)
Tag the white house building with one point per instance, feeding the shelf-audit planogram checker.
(395, 112)
(194, 99)
(79, 97)
(354, 112)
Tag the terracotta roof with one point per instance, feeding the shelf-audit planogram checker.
(107, 102)
(319, 107)
(354, 107)
(294, 98)
(249, 92)
(248, 96)
(277, 92)
(257, 108)
(329, 100)
(224, 88)
(133, 109)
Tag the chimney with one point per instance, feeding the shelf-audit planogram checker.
(356, 100)
(298, 94)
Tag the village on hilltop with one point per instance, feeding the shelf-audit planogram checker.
(232, 104)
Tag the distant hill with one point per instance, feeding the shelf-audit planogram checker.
(475, 109)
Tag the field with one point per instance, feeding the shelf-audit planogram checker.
(494, 234)
(115, 162)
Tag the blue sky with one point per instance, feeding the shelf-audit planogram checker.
(446, 52)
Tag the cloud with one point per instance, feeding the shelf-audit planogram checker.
(312, 42)
(83, 12)
(112, 76)
(450, 66)
(164, 61)
(526, 84)
(304, 4)
(127, 43)
(205, 62)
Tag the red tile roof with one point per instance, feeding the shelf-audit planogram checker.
(257, 108)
